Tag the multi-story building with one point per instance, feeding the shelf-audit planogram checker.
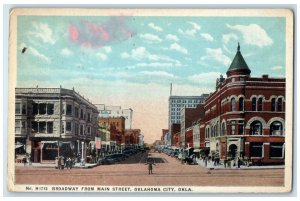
(245, 116)
(176, 103)
(165, 132)
(106, 111)
(131, 138)
(188, 116)
(54, 121)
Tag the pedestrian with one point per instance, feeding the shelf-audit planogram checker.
(239, 162)
(206, 161)
(150, 163)
(62, 163)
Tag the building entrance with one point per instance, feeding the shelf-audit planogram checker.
(232, 151)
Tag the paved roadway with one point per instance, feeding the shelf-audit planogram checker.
(133, 172)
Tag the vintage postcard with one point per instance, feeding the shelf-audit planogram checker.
(150, 100)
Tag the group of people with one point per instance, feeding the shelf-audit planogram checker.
(61, 163)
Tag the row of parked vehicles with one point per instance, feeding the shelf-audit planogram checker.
(119, 157)
(185, 155)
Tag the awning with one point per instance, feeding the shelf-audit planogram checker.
(18, 146)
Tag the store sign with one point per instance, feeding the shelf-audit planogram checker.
(98, 142)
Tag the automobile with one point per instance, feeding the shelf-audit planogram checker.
(106, 161)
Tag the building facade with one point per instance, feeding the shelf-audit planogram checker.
(245, 116)
(106, 111)
(51, 122)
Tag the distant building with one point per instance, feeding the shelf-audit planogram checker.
(164, 136)
(131, 138)
(176, 103)
(54, 121)
(106, 111)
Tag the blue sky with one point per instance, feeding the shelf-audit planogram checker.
(131, 61)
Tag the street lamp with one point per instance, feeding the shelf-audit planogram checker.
(82, 159)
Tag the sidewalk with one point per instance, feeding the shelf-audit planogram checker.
(210, 165)
(52, 165)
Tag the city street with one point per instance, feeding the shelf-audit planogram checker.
(166, 171)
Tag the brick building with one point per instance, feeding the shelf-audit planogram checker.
(175, 134)
(245, 116)
(132, 137)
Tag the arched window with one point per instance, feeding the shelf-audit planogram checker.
(279, 105)
(241, 104)
(232, 103)
(223, 129)
(260, 104)
(273, 104)
(256, 128)
(276, 128)
(254, 104)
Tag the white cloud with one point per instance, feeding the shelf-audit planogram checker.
(191, 32)
(43, 32)
(153, 26)
(253, 34)
(36, 53)
(207, 37)
(172, 37)
(177, 47)
(158, 73)
(205, 78)
(195, 25)
(227, 37)
(150, 37)
(101, 56)
(107, 49)
(216, 55)
(155, 64)
(66, 52)
(277, 67)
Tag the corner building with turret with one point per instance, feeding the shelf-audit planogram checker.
(245, 116)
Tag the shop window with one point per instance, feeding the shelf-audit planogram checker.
(241, 104)
(35, 108)
(34, 127)
(50, 127)
(276, 150)
(69, 110)
(256, 149)
(232, 127)
(50, 108)
(18, 108)
(42, 127)
(232, 104)
(279, 105)
(69, 126)
(42, 108)
(223, 129)
(256, 128)
(260, 104)
(254, 104)
(276, 128)
(273, 104)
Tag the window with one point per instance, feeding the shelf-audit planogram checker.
(50, 127)
(42, 127)
(276, 128)
(232, 104)
(76, 129)
(273, 104)
(18, 126)
(260, 104)
(69, 126)
(34, 127)
(279, 105)
(89, 117)
(89, 130)
(254, 104)
(223, 128)
(241, 104)
(35, 108)
(232, 127)
(276, 150)
(256, 149)
(81, 130)
(69, 110)
(63, 128)
(241, 128)
(81, 113)
(24, 108)
(50, 108)
(77, 110)
(42, 108)
(256, 128)
(18, 108)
